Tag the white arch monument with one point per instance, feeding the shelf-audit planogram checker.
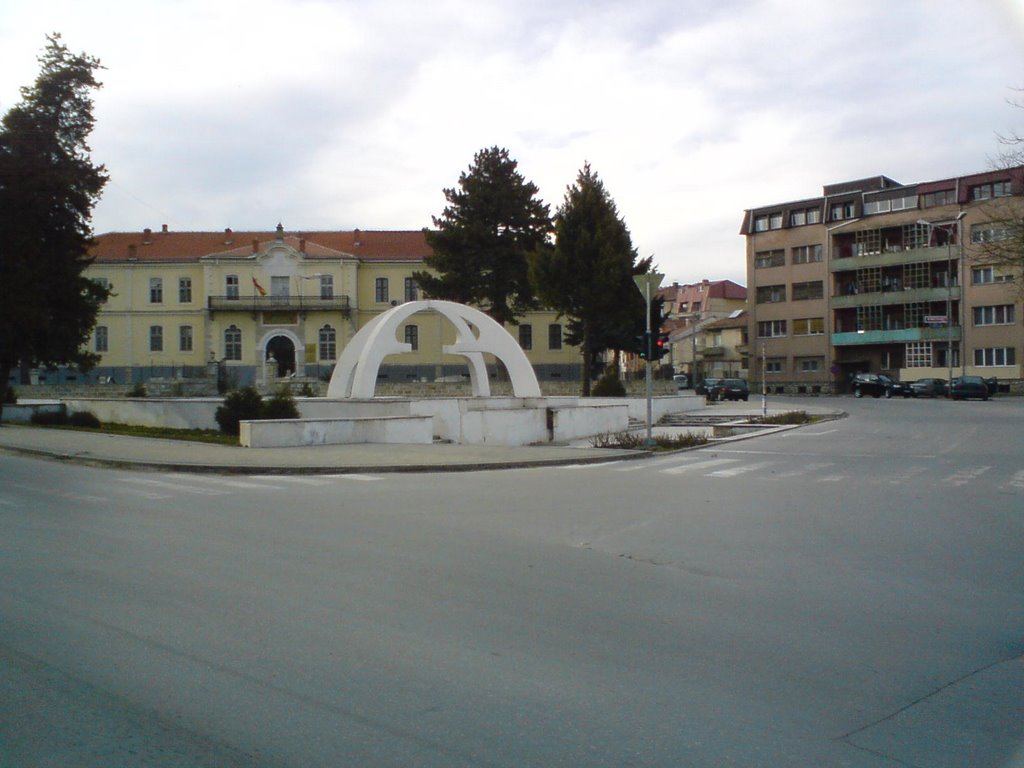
(355, 375)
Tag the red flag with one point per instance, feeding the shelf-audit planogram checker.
(258, 287)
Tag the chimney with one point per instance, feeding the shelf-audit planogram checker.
(147, 236)
(163, 229)
(355, 237)
(227, 236)
(280, 232)
(132, 250)
(255, 245)
(302, 245)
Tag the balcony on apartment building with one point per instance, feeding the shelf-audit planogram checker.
(896, 293)
(284, 303)
(895, 335)
(892, 247)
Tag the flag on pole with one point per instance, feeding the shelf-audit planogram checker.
(259, 288)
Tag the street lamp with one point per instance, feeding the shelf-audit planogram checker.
(648, 284)
(949, 286)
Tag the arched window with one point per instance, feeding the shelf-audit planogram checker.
(233, 343)
(328, 343)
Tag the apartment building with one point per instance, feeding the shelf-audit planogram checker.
(878, 276)
(260, 306)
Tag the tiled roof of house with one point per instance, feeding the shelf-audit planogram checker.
(183, 247)
(739, 321)
(707, 289)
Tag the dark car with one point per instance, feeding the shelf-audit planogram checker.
(878, 385)
(705, 386)
(928, 388)
(729, 389)
(965, 387)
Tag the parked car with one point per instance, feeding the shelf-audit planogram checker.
(878, 385)
(992, 384)
(928, 388)
(705, 386)
(729, 389)
(965, 387)
(682, 381)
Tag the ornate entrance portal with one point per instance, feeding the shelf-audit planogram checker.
(282, 350)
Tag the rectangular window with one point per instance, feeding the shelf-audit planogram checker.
(809, 326)
(103, 283)
(918, 354)
(760, 223)
(934, 199)
(102, 339)
(327, 290)
(985, 275)
(767, 329)
(813, 216)
(380, 290)
(807, 291)
(156, 290)
(771, 294)
(412, 336)
(840, 211)
(185, 338)
(554, 336)
(156, 338)
(232, 343)
(797, 218)
(526, 336)
(810, 364)
(411, 290)
(775, 221)
(184, 290)
(764, 259)
(775, 365)
(280, 286)
(998, 314)
(989, 232)
(807, 254)
(988, 191)
(231, 286)
(989, 357)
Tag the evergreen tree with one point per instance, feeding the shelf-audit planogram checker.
(48, 187)
(482, 241)
(588, 275)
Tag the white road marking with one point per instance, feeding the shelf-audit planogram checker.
(1017, 481)
(804, 470)
(697, 465)
(178, 487)
(733, 471)
(964, 476)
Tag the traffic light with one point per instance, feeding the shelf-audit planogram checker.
(642, 345)
(660, 347)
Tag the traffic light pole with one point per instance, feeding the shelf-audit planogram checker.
(646, 283)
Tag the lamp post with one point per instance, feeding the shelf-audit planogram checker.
(949, 286)
(648, 284)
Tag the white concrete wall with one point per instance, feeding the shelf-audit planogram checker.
(518, 426)
(589, 420)
(173, 412)
(21, 413)
(283, 433)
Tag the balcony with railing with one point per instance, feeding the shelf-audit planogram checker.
(336, 303)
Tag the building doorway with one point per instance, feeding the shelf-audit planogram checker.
(282, 349)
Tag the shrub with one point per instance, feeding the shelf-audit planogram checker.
(85, 419)
(307, 391)
(609, 385)
(10, 397)
(789, 417)
(240, 405)
(139, 390)
(280, 406)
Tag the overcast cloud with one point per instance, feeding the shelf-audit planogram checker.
(327, 114)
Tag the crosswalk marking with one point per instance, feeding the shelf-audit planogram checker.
(697, 465)
(907, 475)
(804, 470)
(831, 478)
(734, 471)
(1017, 481)
(178, 487)
(966, 475)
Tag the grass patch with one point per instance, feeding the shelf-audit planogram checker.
(635, 440)
(131, 430)
(789, 417)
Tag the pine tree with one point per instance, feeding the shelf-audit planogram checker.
(588, 275)
(48, 187)
(482, 241)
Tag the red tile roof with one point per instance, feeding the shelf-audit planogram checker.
(184, 247)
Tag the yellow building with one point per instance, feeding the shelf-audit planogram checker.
(256, 307)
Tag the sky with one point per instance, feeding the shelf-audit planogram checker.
(343, 114)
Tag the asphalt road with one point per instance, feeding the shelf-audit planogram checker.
(848, 594)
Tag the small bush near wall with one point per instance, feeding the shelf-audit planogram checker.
(280, 406)
(609, 385)
(10, 398)
(84, 419)
(240, 405)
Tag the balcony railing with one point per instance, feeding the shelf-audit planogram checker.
(710, 351)
(278, 304)
(843, 263)
(900, 336)
(908, 296)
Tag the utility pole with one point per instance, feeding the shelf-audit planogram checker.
(648, 284)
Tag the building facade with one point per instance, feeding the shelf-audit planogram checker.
(258, 307)
(878, 276)
(688, 309)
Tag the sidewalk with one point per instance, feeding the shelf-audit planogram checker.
(154, 454)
